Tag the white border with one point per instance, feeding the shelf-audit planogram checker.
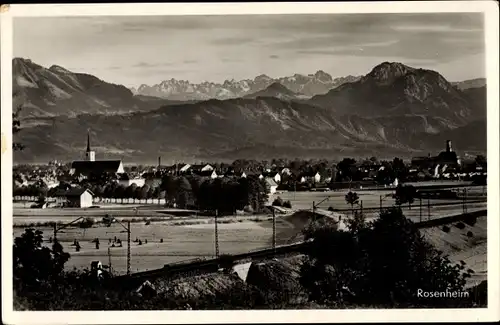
(490, 9)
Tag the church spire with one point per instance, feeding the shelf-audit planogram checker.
(88, 141)
(89, 154)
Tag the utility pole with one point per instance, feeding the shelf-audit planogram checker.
(216, 234)
(465, 200)
(109, 259)
(428, 208)
(380, 203)
(128, 247)
(420, 199)
(274, 231)
(55, 231)
(361, 205)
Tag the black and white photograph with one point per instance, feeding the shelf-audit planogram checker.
(316, 160)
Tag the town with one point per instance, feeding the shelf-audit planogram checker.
(62, 184)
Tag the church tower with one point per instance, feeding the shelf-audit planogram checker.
(89, 154)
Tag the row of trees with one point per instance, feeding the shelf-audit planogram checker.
(224, 194)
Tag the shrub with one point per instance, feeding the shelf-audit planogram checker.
(470, 234)
(287, 204)
(267, 211)
(278, 202)
(446, 229)
(331, 209)
(87, 223)
(460, 225)
(471, 221)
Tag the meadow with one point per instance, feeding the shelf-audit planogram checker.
(180, 243)
(191, 237)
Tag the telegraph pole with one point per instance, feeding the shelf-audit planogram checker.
(361, 206)
(420, 199)
(128, 247)
(381, 204)
(465, 201)
(55, 231)
(109, 259)
(216, 234)
(428, 208)
(274, 230)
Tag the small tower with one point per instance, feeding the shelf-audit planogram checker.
(89, 154)
(448, 146)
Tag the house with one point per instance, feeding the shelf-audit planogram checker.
(202, 168)
(232, 173)
(314, 177)
(272, 184)
(175, 169)
(76, 197)
(126, 180)
(274, 175)
(208, 173)
(286, 171)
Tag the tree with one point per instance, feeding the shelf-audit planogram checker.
(169, 184)
(405, 194)
(185, 192)
(352, 198)
(480, 160)
(383, 262)
(33, 262)
(278, 202)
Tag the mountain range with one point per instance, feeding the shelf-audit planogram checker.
(393, 110)
(307, 85)
(57, 91)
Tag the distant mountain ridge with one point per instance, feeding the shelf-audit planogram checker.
(394, 109)
(471, 83)
(279, 91)
(393, 89)
(57, 91)
(308, 85)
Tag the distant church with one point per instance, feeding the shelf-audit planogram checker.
(91, 167)
(447, 158)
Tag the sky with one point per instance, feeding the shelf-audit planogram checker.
(135, 50)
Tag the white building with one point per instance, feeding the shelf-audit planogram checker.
(272, 185)
(76, 197)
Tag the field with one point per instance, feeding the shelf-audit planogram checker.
(192, 237)
(179, 243)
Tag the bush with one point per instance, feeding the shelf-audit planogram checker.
(267, 211)
(471, 221)
(278, 202)
(446, 229)
(287, 204)
(331, 209)
(87, 223)
(470, 234)
(460, 225)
